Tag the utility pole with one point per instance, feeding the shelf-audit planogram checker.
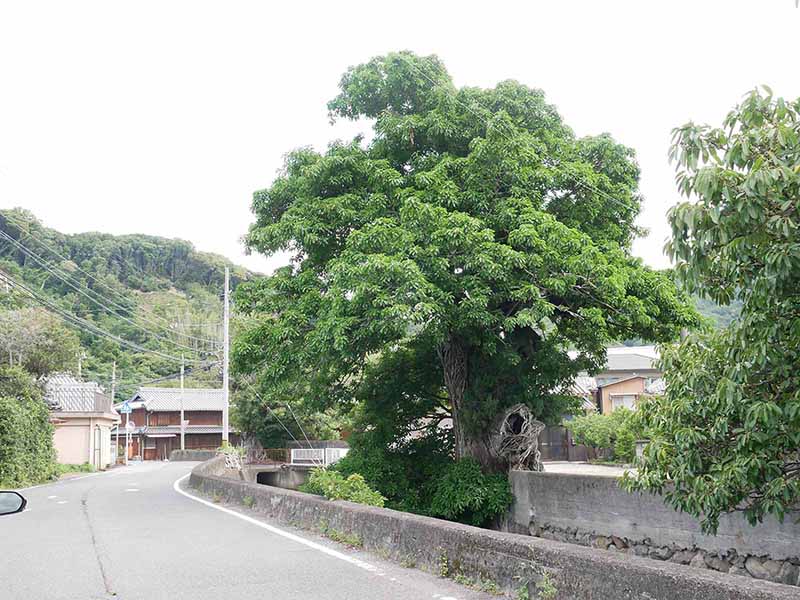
(81, 356)
(183, 423)
(225, 354)
(113, 381)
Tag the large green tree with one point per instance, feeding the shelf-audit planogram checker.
(474, 231)
(38, 341)
(726, 435)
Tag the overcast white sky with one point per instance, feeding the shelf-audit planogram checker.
(162, 117)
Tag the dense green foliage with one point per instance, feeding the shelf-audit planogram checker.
(464, 493)
(26, 435)
(37, 340)
(160, 294)
(617, 431)
(475, 236)
(726, 434)
(334, 486)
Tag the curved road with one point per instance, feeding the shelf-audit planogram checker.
(129, 534)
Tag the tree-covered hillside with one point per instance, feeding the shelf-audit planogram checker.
(160, 295)
(720, 314)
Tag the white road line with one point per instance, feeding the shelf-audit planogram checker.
(289, 536)
(132, 490)
(62, 501)
(62, 481)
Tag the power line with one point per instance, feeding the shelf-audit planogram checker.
(125, 263)
(188, 371)
(274, 414)
(303, 431)
(58, 274)
(86, 325)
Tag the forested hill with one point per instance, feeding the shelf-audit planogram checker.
(162, 296)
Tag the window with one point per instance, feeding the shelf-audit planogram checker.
(626, 400)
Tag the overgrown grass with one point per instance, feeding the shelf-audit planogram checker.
(482, 585)
(350, 539)
(67, 469)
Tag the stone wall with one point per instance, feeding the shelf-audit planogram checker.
(594, 511)
(510, 562)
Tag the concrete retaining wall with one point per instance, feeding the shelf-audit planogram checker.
(510, 561)
(289, 477)
(593, 510)
(191, 455)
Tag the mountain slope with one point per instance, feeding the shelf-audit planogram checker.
(162, 296)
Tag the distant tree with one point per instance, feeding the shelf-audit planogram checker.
(37, 341)
(475, 231)
(726, 435)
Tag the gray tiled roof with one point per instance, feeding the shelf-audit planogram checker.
(157, 399)
(584, 385)
(175, 429)
(189, 429)
(65, 393)
(629, 362)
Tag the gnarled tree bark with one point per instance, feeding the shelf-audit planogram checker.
(454, 356)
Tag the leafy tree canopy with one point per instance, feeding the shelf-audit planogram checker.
(37, 340)
(475, 231)
(726, 434)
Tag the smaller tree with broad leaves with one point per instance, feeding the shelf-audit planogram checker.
(726, 435)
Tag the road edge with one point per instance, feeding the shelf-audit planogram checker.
(276, 530)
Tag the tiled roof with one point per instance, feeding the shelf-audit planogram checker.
(584, 385)
(631, 358)
(172, 429)
(189, 429)
(64, 393)
(158, 399)
(630, 362)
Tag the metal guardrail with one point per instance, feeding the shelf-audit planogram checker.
(295, 456)
(317, 456)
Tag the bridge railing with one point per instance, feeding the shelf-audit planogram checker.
(317, 456)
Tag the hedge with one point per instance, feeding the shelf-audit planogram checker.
(26, 435)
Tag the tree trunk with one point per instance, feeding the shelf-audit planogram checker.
(454, 356)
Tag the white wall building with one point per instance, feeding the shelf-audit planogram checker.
(83, 418)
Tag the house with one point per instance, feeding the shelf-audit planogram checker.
(83, 417)
(628, 361)
(629, 373)
(156, 422)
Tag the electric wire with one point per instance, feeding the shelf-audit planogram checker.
(23, 229)
(252, 388)
(59, 275)
(86, 325)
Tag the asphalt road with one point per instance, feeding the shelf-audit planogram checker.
(129, 534)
